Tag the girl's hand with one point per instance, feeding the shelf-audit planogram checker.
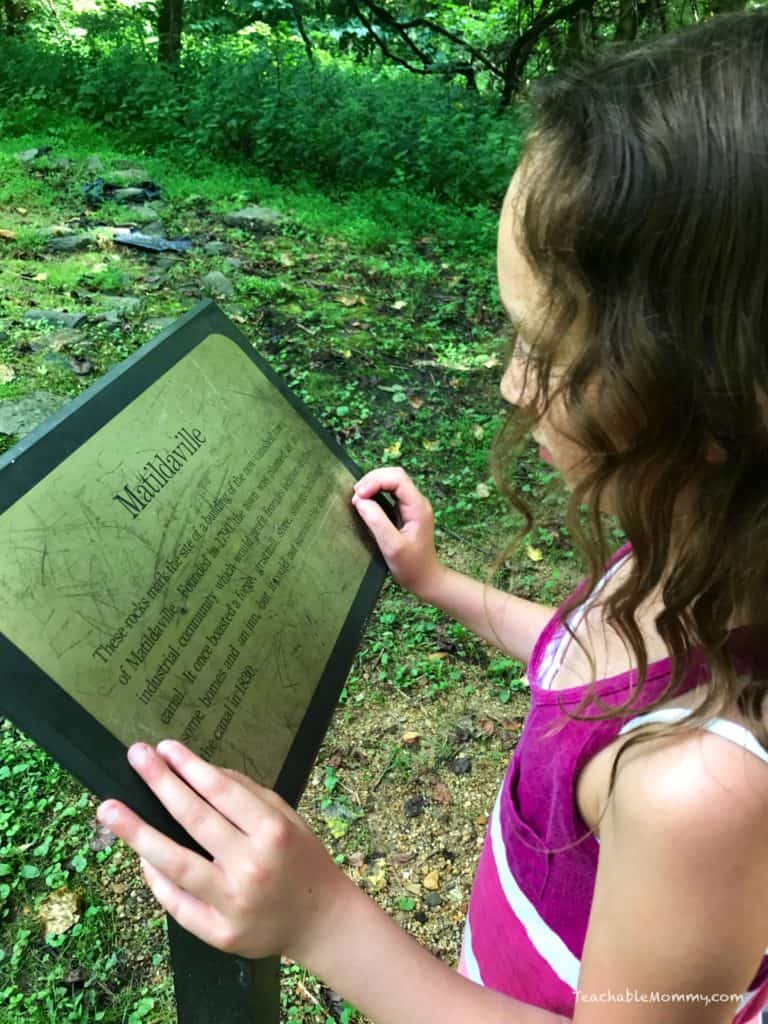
(409, 551)
(271, 887)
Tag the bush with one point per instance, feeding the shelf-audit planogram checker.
(333, 124)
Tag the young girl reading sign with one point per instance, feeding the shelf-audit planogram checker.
(624, 876)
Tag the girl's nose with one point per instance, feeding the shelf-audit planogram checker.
(513, 382)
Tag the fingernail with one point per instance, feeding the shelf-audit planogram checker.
(166, 747)
(137, 754)
(107, 814)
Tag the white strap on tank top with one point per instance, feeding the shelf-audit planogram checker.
(724, 727)
(555, 652)
(729, 730)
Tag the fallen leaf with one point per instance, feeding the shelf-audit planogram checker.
(285, 260)
(534, 554)
(486, 727)
(430, 446)
(411, 737)
(22, 210)
(7, 374)
(59, 911)
(394, 451)
(441, 794)
(490, 363)
(376, 875)
(482, 820)
(351, 300)
(400, 304)
(347, 353)
(437, 656)
(482, 491)
(7, 235)
(416, 402)
(478, 432)
(431, 880)
(356, 859)
(42, 276)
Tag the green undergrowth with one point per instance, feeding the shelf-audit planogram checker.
(379, 308)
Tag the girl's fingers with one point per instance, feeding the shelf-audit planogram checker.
(395, 480)
(243, 806)
(385, 533)
(197, 916)
(212, 831)
(184, 868)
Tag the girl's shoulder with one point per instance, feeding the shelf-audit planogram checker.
(683, 856)
(714, 769)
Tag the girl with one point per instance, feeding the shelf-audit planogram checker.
(624, 876)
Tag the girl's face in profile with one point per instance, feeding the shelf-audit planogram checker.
(522, 296)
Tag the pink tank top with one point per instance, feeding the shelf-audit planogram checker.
(529, 907)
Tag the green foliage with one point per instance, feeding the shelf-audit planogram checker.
(73, 977)
(268, 107)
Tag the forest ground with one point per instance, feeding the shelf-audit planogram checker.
(380, 310)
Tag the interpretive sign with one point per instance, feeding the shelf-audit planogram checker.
(179, 558)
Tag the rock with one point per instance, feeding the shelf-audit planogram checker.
(216, 248)
(431, 880)
(56, 359)
(155, 228)
(254, 218)
(128, 195)
(68, 338)
(122, 305)
(28, 155)
(160, 323)
(128, 174)
(215, 283)
(21, 415)
(94, 165)
(433, 899)
(414, 806)
(55, 316)
(68, 243)
(460, 765)
(80, 366)
(144, 214)
(232, 264)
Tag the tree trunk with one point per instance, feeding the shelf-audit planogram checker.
(727, 6)
(626, 25)
(15, 14)
(169, 31)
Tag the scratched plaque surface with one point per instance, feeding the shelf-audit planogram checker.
(192, 566)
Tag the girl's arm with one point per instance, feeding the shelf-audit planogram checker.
(679, 919)
(509, 622)
(272, 888)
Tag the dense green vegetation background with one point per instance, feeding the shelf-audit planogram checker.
(385, 134)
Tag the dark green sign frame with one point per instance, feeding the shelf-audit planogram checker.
(211, 987)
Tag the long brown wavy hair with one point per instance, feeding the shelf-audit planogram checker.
(647, 213)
